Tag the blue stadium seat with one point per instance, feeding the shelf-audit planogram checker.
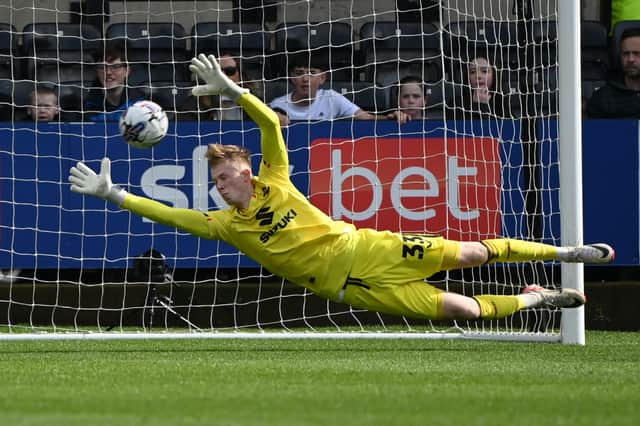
(156, 51)
(59, 52)
(391, 50)
(249, 41)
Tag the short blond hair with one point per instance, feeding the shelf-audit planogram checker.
(217, 153)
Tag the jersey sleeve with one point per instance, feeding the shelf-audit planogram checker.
(274, 151)
(192, 221)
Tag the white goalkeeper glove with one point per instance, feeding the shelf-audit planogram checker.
(85, 181)
(208, 69)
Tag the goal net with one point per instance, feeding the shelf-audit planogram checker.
(479, 158)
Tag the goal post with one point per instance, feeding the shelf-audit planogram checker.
(472, 164)
(570, 133)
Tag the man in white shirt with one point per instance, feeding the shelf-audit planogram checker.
(309, 102)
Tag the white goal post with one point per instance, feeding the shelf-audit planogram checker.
(468, 166)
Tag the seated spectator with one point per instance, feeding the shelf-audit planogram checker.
(218, 107)
(308, 101)
(479, 98)
(110, 96)
(620, 97)
(43, 105)
(411, 100)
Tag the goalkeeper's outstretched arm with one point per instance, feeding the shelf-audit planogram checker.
(274, 151)
(85, 181)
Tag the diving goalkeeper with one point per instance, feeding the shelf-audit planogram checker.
(273, 223)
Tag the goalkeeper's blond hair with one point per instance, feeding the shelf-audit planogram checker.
(217, 153)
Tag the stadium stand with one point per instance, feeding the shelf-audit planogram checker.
(16, 96)
(16, 92)
(495, 40)
(391, 50)
(594, 51)
(9, 67)
(168, 94)
(274, 88)
(249, 41)
(370, 98)
(595, 57)
(156, 51)
(59, 52)
(331, 41)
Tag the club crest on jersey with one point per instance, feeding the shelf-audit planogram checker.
(286, 219)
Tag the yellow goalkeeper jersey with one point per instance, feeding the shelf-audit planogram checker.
(280, 229)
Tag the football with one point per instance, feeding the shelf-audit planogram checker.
(143, 124)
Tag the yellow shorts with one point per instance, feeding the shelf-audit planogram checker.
(389, 269)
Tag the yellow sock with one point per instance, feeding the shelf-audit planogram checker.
(495, 307)
(508, 250)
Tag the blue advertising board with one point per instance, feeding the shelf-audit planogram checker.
(45, 225)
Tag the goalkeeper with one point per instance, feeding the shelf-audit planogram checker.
(274, 223)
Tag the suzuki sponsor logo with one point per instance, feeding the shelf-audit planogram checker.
(288, 218)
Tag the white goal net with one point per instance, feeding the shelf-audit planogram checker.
(479, 158)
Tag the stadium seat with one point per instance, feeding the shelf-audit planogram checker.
(8, 52)
(497, 41)
(275, 88)
(59, 52)
(544, 35)
(391, 50)
(169, 95)
(16, 95)
(594, 50)
(440, 94)
(249, 41)
(330, 42)
(156, 51)
(619, 28)
(590, 86)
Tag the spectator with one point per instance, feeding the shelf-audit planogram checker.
(410, 101)
(110, 96)
(43, 105)
(308, 101)
(620, 97)
(214, 107)
(480, 99)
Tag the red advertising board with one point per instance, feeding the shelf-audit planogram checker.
(445, 186)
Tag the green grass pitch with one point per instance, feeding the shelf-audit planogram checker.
(321, 382)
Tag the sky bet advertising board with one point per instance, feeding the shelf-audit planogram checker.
(462, 180)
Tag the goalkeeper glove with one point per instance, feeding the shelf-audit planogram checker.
(85, 181)
(208, 69)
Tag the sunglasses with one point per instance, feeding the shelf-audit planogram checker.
(229, 71)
